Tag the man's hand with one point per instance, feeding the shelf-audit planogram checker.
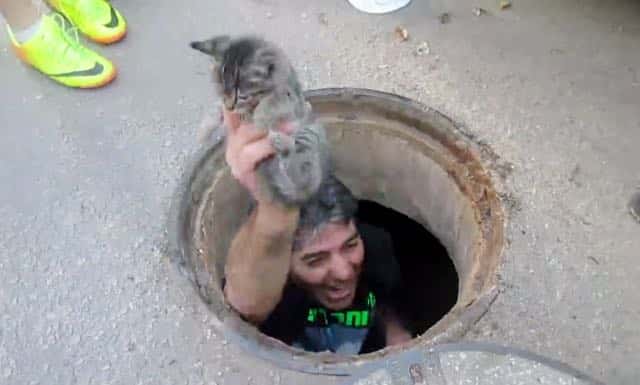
(396, 334)
(246, 148)
(395, 331)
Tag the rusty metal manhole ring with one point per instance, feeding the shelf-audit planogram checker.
(387, 149)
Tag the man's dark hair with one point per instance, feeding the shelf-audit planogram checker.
(333, 203)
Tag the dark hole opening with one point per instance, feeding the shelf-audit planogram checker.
(429, 276)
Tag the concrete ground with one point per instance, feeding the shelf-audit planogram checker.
(88, 295)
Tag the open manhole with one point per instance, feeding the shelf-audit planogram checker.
(398, 157)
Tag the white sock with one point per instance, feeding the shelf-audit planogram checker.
(27, 33)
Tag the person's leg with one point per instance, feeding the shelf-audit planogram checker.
(50, 44)
(19, 14)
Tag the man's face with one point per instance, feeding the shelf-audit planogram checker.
(329, 264)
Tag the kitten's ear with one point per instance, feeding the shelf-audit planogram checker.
(213, 47)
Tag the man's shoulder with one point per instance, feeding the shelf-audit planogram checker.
(381, 269)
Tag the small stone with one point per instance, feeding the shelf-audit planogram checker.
(423, 49)
(402, 33)
(323, 19)
(573, 176)
(477, 11)
(504, 4)
(269, 15)
(444, 18)
(634, 206)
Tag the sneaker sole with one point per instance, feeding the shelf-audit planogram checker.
(101, 83)
(110, 39)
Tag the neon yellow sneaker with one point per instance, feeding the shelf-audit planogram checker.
(97, 19)
(56, 51)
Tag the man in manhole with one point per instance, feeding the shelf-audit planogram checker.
(314, 277)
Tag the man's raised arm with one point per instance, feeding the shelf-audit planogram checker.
(258, 261)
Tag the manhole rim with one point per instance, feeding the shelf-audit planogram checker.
(448, 329)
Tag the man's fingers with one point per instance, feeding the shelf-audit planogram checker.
(254, 153)
(231, 120)
(239, 132)
(247, 133)
(246, 147)
(251, 133)
(243, 141)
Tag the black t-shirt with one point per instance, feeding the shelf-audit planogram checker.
(380, 275)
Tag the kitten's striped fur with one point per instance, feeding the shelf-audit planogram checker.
(255, 78)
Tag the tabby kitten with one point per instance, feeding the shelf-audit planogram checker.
(255, 79)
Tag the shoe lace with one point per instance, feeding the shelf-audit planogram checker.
(70, 33)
